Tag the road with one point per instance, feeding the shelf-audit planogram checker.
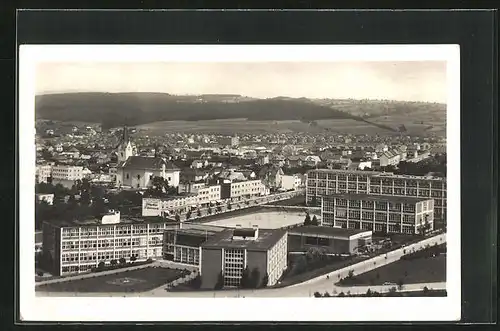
(320, 284)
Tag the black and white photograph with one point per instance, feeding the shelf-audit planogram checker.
(258, 178)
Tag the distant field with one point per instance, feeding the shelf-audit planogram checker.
(245, 126)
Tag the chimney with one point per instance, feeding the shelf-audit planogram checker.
(256, 233)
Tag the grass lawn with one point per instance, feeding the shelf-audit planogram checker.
(295, 201)
(139, 280)
(296, 273)
(422, 270)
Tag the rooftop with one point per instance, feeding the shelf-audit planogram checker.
(266, 239)
(325, 230)
(379, 198)
(96, 222)
(347, 172)
(144, 162)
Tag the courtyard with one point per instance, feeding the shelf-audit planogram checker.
(138, 280)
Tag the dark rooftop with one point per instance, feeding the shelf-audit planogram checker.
(381, 198)
(266, 239)
(325, 231)
(143, 162)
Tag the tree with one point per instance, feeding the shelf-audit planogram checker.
(188, 215)
(265, 280)
(254, 278)
(114, 262)
(122, 260)
(393, 290)
(101, 265)
(426, 290)
(198, 212)
(307, 220)
(209, 210)
(245, 278)
(196, 282)
(314, 221)
(326, 295)
(341, 294)
(317, 295)
(133, 258)
(177, 218)
(369, 293)
(229, 207)
(400, 284)
(350, 274)
(219, 285)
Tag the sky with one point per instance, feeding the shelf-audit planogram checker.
(406, 81)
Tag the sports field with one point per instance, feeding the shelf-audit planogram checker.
(263, 219)
(138, 280)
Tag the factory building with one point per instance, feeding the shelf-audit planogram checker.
(325, 182)
(328, 239)
(387, 214)
(182, 242)
(79, 246)
(227, 254)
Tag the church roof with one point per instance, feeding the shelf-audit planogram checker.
(143, 162)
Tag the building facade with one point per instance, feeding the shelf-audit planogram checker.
(227, 254)
(324, 182)
(168, 205)
(182, 243)
(138, 172)
(78, 247)
(67, 173)
(328, 239)
(242, 189)
(376, 213)
(43, 173)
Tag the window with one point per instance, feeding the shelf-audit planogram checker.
(127, 176)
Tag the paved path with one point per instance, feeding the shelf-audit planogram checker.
(305, 289)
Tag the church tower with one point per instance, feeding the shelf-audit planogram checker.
(125, 148)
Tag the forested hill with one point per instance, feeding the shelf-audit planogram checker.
(117, 109)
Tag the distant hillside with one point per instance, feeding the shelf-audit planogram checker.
(117, 109)
(379, 108)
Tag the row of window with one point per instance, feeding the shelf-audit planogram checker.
(110, 231)
(398, 182)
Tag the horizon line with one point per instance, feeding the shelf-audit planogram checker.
(236, 94)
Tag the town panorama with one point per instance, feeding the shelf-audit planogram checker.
(342, 198)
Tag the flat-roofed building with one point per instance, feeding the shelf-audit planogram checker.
(324, 182)
(330, 239)
(164, 206)
(228, 253)
(182, 243)
(79, 246)
(388, 214)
